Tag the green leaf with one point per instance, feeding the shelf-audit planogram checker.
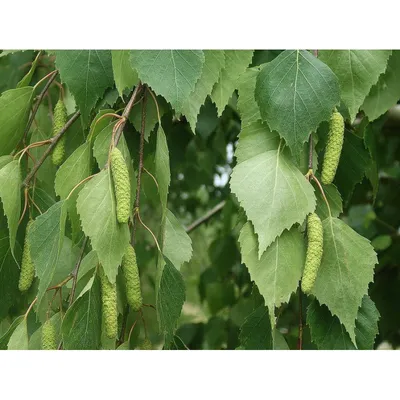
(329, 334)
(278, 272)
(247, 105)
(170, 296)
(386, 92)
(10, 195)
(357, 71)
(254, 139)
(255, 333)
(162, 169)
(214, 62)
(346, 269)
(236, 62)
(334, 200)
(43, 130)
(87, 73)
(9, 271)
(99, 123)
(74, 169)
(15, 105)
(274, 194)
(6, 337)
(171, 73)
(354, 161)
(46, 236)
(124, 75)
(4, 160)
(295, 93)
(177, 245)
(66, 262)
(81, 327)
(26, 80)
(97, 208)
(19, 339)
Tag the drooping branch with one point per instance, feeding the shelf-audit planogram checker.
(140, 168)
(206, 216)
(53, 141)
(76, 270)
(39, 101)
(126, 113)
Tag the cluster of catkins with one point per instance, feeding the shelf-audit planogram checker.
(129, 266)
(314, 224)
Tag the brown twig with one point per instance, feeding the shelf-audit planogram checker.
(206, 216)
(310, 153)
(140, 169)
(300, 339)
(75, 272)
(126, 113)
(38, 102)
(53, 142)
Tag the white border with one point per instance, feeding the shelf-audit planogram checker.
(244, 24)
(199, 375)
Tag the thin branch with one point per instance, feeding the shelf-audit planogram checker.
(206, 216)
(300, 339)
(140, 169)
(126, 113)
(53, 142)
(310, 153)
(76, 270)
(38, 102)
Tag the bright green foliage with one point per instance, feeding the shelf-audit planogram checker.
(357, 71)
(274, 194)
(49, 336)
(60, 119)
(121, 185)
(109, 305)
(132, 279)
(295, 93)
(145, 345)
(225, 199)
(27, 268)
(333, 148)
(15, 105)
(314, 252)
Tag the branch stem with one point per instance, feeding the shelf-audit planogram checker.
(140, 168)
(126, 113)
(76, 270)
(206, 216)
(38, 102)
(53, 142)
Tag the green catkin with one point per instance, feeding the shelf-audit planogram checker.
(109, 305)
(314, 252)
(121, 184)
(132, 279)
(49, 336)
(60, 119)
(27, 268)
(145, 345)
(333, 148)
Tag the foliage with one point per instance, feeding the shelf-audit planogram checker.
(205, 165)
